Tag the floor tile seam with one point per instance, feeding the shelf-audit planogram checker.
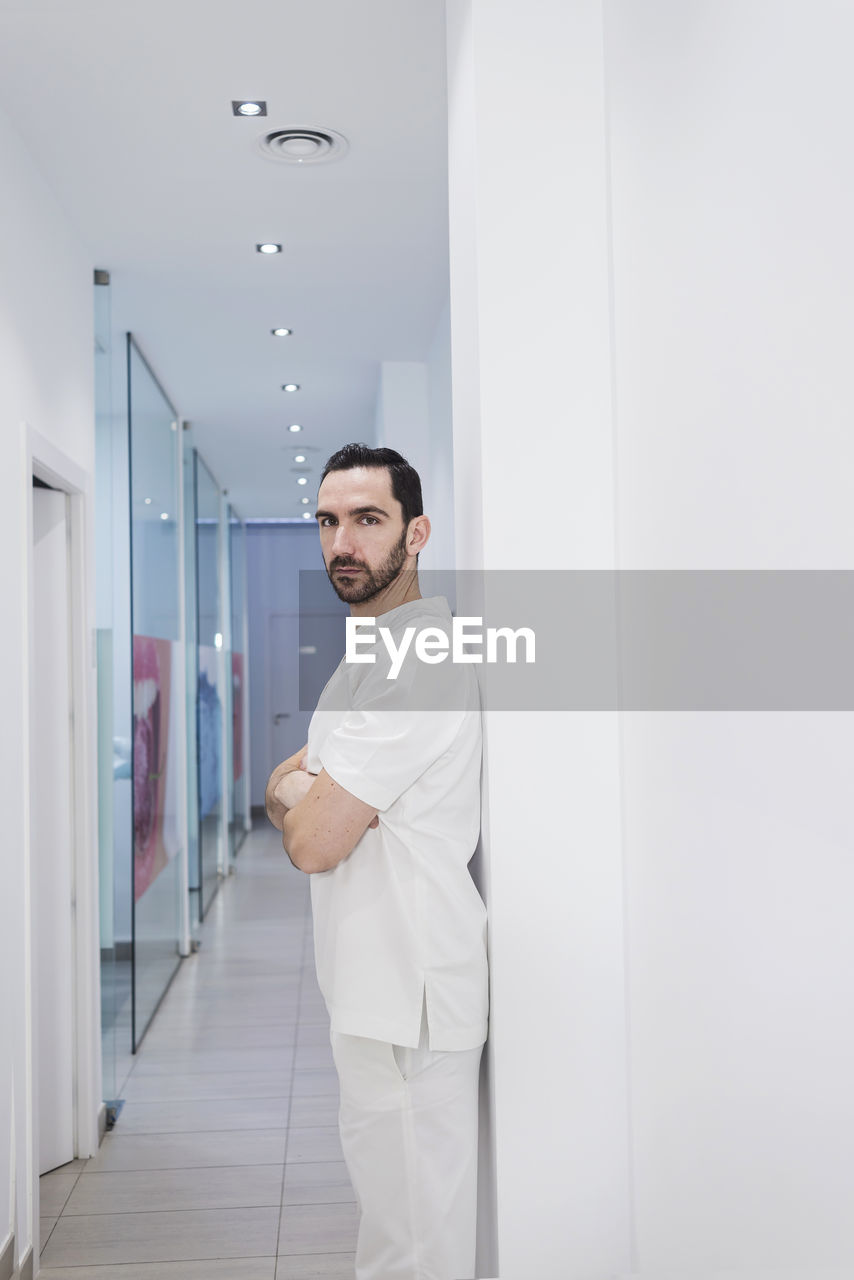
(196, 1047)
(76, 1176)
(43, 1244)
(327, 1249)
(307, 1204)
(112, 1173)
(115, 1134)
(155, 1262)
(195, 1168)
(234, 1128)
(141, 1213)
(248, 1018)
(138, 1103)
(265, 1011)
(226, 1097)
(236, 1070)
(204, 1025)
(190, 1045)
(47, 1271)
(168, 1133)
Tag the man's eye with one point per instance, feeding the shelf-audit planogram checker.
(326, 521)
(370, 519)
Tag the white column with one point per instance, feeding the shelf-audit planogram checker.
(534, 480)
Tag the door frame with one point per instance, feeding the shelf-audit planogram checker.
(41, 458)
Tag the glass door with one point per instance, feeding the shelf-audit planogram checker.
(157, 766)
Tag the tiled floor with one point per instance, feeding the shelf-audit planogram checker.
(225, 1162)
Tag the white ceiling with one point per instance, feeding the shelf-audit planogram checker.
(126, 109)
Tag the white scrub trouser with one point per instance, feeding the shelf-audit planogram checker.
(408, 1120)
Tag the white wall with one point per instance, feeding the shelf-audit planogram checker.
(413, 415)
(46, 341)
(440, 486)
(534, 478)
(733, 203)
(652, 324)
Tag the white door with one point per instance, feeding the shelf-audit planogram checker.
(311, 647)
(51, 847)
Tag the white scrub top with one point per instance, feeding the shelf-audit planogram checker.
(400, 917)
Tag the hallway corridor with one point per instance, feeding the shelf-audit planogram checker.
(225, 1160)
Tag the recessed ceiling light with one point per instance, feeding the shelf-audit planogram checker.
(291, 386)
(302, 480)
(305, 501)
(306, 515)
(164, 515)
(148, 502)
(281, 333)
(268, 247)
(295, 426)
(300, 457)
(248, 107)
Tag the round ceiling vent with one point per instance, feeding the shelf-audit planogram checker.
(304, 146)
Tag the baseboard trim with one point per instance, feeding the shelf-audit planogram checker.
(7, 1259)
(121, 951)
(25, 1271)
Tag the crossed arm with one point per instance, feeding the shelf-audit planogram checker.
(320, 822)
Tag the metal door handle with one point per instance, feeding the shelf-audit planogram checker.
(281, 715)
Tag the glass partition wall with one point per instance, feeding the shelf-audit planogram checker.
(158, 686)
(170, 588)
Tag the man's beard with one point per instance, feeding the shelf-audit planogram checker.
(372, 581)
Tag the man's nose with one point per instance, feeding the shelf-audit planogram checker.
(342, 543)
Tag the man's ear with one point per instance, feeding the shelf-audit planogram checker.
(417, 535)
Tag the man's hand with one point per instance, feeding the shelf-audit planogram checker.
(275, 806)
(293, 786)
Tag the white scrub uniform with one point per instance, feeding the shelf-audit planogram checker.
(400, 948)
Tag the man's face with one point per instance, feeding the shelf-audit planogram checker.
(362, 535)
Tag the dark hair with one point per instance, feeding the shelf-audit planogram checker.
(405, 481)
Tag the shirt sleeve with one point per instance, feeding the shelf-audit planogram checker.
(396, 730)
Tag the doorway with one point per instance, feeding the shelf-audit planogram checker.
(52, 827)
(67, 1112)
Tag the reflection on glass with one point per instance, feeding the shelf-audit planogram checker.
(156, 656)
(211, 698)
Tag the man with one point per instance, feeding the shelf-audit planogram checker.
(382, 809)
